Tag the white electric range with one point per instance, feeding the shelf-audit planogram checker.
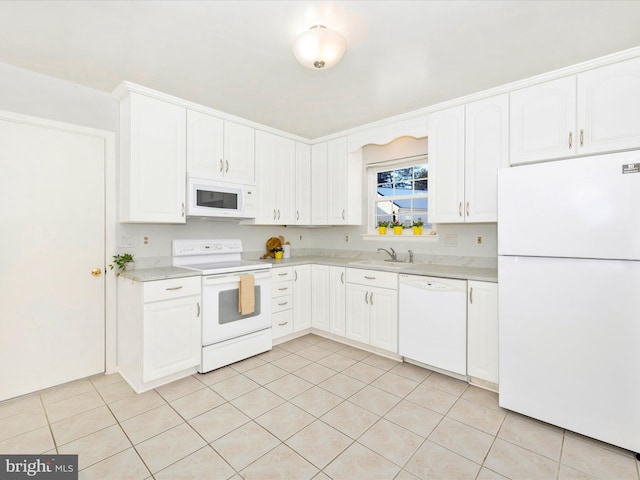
(227, 335)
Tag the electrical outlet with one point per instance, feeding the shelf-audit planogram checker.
(126, 241)
(346, 238)
(479, 240)
(450, 240)
(146, 240)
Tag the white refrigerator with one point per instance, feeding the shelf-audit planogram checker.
(569, 294)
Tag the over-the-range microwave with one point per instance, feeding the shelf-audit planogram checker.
(214, 198)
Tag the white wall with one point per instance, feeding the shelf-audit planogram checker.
(30, 93)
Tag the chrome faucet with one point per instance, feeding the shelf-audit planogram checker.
(410, 256)
(392, 254)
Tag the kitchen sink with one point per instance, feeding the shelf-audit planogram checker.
(379, 263)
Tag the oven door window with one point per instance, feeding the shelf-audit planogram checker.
(228, 306)
(217, 199)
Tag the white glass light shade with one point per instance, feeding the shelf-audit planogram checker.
(319, 47)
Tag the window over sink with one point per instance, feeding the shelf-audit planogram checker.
(398, 193)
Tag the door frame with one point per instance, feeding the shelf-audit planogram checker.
(110, 360)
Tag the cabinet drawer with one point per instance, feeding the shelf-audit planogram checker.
(281, 274)
(282, 323)
(281, 303)
(172, 288)
(280, 289)
(372, 277)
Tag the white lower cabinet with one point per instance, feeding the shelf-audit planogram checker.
(301, 297)
(281, 302)
(159, 338)
(372, 308)
(482, 331)
(337, 296)
(320, 298)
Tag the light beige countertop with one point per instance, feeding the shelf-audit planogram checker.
(435, 267)
(158, 273)
(426, 268)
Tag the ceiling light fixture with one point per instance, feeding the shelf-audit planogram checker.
(319, 47)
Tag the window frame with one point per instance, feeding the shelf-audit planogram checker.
(372, 170)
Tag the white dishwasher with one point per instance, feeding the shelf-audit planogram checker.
(433, 322)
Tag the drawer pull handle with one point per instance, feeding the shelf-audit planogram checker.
(282, 324)
(369, 278)
(283, 303)
(174, 288)
(283, 274)
(283, 288)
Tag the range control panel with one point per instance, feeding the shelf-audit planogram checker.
(206, 247)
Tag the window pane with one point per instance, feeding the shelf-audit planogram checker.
(385, 177)
(421, 186)
(403, 188)
(385, 190)
(402, 175)
(420, 171)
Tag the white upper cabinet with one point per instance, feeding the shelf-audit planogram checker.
(219, 149)
(303, 184)
(446, 165)
(543, 121)
(467, 145)
(592, 112)
(152, 160)
(319, 184)
(275, 168)
(338, 185)
(238, 152)
(486, 150)
(609, 108)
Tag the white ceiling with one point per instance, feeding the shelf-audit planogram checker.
(236, 56)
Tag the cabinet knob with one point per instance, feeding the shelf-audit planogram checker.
(96, 272)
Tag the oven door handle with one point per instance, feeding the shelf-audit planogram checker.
(233, 277)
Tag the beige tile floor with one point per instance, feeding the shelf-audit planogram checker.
(309, 408)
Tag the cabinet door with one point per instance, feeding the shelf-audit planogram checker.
(266, 174)
(542, 121)
(171, 337)
(301, 297)
(383, 305)
(303, 184)
(337, 300)
(357, 312)
(609, 108)
(239, 156)
(319, 184)
(446, 166)
(486, 150)
(320, 312)
(154, 167)
(338, 179)
(284, 184)
(482, 324)
(205, 142)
